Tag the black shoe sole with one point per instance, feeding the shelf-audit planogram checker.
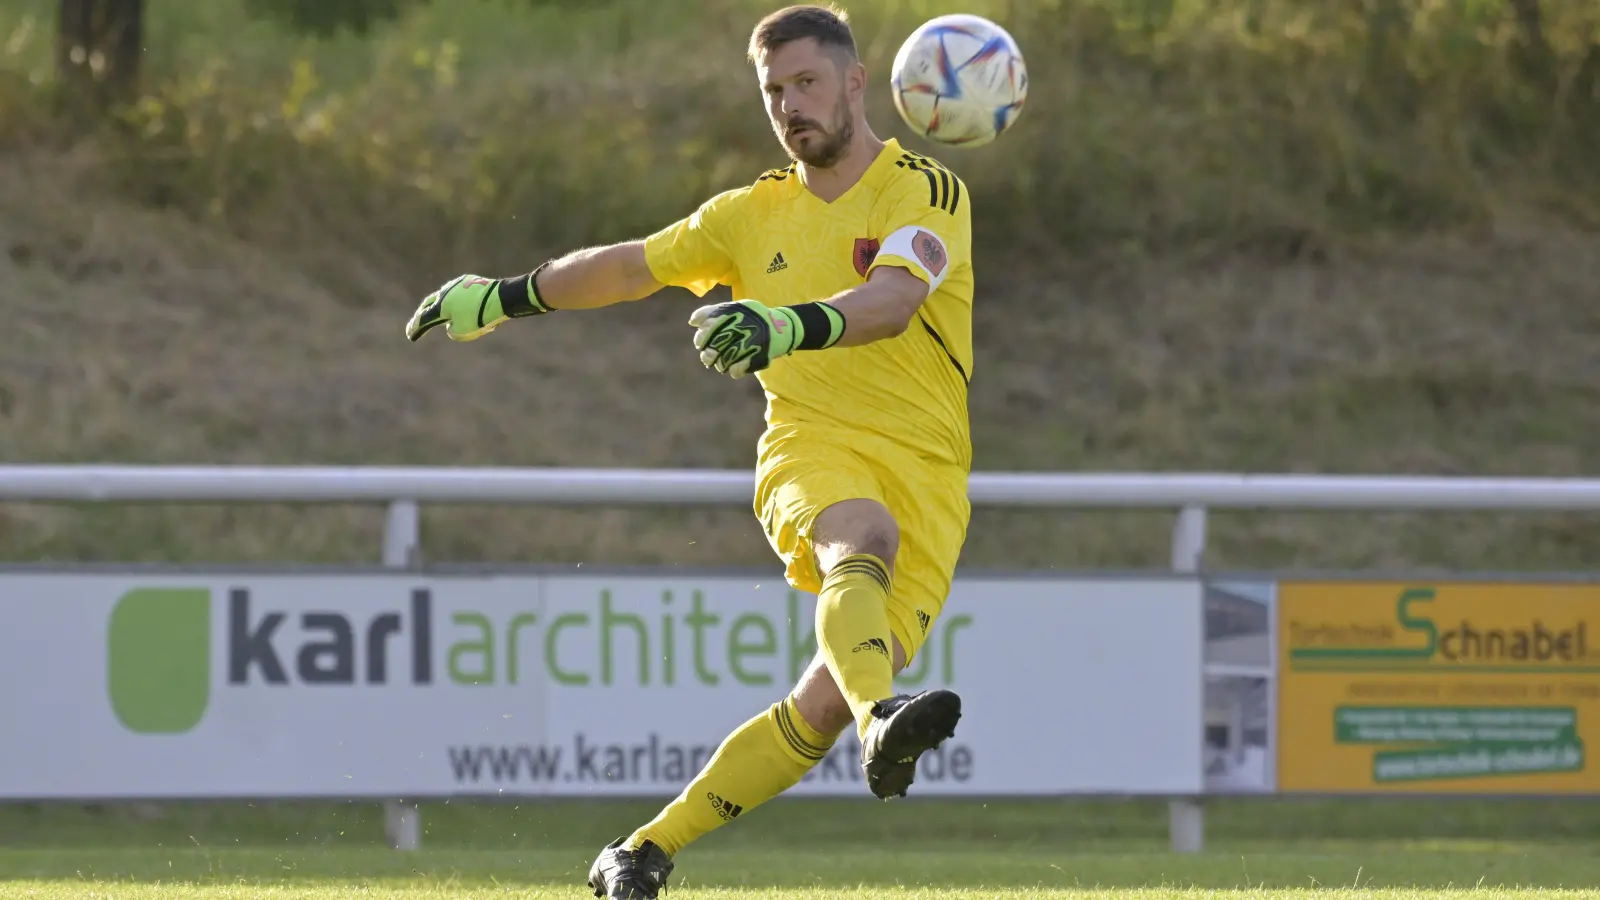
(600, 891)
(925, 722)
(600, 888)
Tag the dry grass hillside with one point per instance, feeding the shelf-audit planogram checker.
(139, 336)
(1302, 245)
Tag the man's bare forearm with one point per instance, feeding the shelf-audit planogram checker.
(881, 308)
(597, 276)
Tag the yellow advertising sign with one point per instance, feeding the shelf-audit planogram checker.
(1438, 687)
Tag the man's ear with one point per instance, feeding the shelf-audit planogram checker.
(856, 78)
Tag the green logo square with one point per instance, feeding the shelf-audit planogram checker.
(158, 659)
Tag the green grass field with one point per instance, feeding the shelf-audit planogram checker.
(793, 849)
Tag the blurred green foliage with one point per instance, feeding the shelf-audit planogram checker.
(1152, 123)
(322, 17)
(325, 18)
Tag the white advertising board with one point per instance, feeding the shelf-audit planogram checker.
(372, 685)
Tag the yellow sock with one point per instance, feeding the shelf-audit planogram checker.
(853, 632)
(760, 760)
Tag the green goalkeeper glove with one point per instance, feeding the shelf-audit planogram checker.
(745, 336)
(471, 306)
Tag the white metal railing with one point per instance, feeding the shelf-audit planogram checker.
(403, 488)
(643, 487)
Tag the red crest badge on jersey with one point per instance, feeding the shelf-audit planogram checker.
(929, 251)
(865, 252)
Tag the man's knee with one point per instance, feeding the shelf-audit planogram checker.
(852, 527)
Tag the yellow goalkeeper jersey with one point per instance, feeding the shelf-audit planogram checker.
(776, 242)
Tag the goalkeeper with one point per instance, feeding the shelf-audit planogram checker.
(852, 281)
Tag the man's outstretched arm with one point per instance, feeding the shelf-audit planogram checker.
(597, 277)
(691, 253)
(471, 306)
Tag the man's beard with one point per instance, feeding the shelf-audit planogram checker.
(825, 148)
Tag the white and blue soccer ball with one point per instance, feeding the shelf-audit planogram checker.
(959, 80)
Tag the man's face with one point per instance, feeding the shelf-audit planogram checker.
(811, 98)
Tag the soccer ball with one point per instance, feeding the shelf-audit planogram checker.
(959, 80)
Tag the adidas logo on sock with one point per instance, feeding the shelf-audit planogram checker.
(922, 619)
(728, 811)
(874, 644)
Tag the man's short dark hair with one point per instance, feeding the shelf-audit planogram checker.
(828, 24)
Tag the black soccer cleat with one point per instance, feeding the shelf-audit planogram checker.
(902, 729)
(621, 874)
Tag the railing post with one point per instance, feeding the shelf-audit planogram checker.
(402, 820)
(1189, 540)
(402, 542)
(402, 535)
(1186, 820)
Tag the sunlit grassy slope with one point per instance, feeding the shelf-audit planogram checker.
(1292, 242)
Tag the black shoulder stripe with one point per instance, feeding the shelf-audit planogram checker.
(777, 174)
(944, 188)
(919, 159)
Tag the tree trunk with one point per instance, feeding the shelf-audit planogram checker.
(99, 44)
(1533, 55)
(1530, 20)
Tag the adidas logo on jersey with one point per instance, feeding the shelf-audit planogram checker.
(777, 264)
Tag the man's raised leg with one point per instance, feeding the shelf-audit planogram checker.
(855, 542)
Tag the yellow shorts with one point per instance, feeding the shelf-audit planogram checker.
(801, 471)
